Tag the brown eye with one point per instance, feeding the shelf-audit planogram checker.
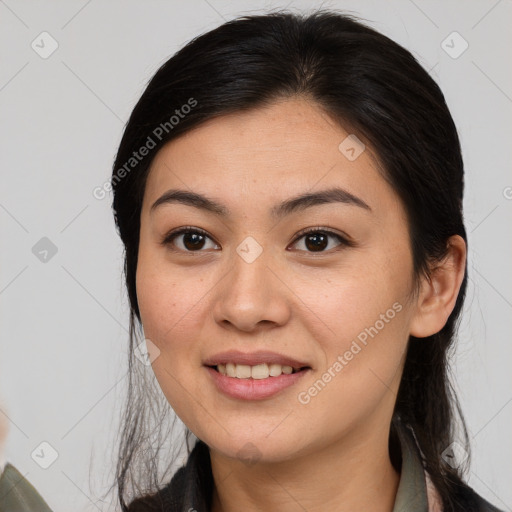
(317, 240)
(192, 239)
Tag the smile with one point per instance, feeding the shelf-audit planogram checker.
(259, 371)
(247, 387)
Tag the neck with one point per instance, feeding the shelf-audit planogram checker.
(353, 474)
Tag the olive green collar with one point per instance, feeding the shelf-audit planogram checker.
(17, 493)
(412, 489)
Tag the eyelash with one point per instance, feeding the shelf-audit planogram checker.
(344, 242)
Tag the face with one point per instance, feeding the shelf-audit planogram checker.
(246, 276)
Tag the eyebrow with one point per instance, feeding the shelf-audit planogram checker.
(287, 207)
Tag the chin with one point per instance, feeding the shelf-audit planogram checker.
(256, 448)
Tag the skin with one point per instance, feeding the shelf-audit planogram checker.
(331, 453)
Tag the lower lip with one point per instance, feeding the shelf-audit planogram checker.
(254, 389)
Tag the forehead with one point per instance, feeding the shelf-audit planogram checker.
(270, 153)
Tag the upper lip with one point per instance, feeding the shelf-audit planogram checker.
(253, 359)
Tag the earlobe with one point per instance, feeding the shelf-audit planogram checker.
(439, 291)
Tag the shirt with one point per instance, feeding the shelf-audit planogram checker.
(190, 489)
(17, 494)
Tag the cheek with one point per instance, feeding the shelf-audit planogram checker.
(353, 296)
(170, 300)
(363, 333)
(172, 314)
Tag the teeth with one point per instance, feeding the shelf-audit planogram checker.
(260, 371)
(275, 370)
(242, 371)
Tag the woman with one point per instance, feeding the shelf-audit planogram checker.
(289, 191)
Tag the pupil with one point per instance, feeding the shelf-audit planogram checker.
(317, 243)
(190, 240)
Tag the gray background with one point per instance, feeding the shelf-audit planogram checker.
(63, 321)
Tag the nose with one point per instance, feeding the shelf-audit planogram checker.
(253, 295)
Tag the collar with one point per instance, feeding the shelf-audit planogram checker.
(192, 485)
(17, 493)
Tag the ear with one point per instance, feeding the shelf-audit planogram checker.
(439, 291)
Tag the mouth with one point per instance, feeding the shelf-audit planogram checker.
(254, 376)
(256, 372)
(254, 382)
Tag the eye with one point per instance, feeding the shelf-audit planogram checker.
(192, 239)
(317, 239)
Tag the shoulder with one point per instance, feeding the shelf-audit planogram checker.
(145, 504)
(190, 487)
(472, 501)
(160, 501)
(463, 499)
(17, 493)
(484, 505)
